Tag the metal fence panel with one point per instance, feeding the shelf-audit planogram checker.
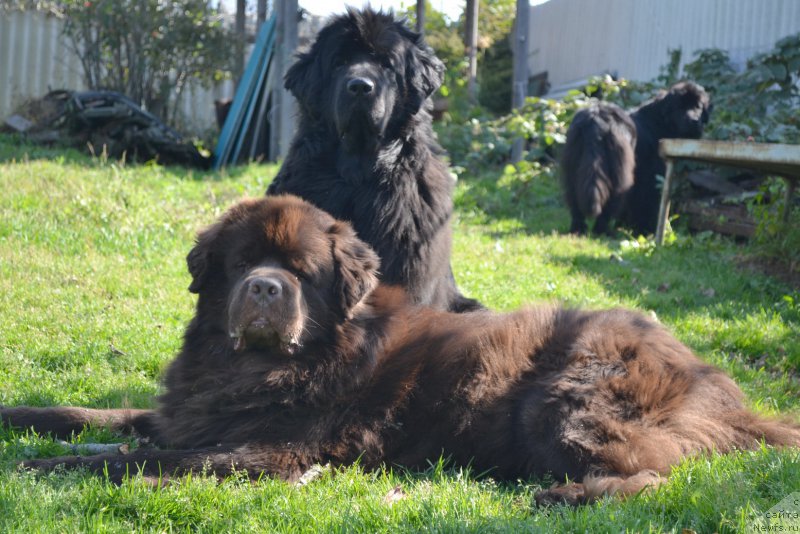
(575, 39)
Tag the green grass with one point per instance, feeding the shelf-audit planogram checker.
(93, 302)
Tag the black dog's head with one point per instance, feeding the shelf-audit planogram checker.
(278, 273)
(685, 110)
(365, 76)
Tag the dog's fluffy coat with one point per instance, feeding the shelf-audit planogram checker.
(297, 356)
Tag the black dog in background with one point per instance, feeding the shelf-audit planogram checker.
(365, 150)
(598, 175)
(680, 112)
(597, 165)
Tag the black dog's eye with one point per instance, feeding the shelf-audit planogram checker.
(241, 266)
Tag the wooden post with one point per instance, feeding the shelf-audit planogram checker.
(663, 208)
(284, 115)
(791, 186)
(519, 89)
(471, 44)
(421, 16)
(241, 37)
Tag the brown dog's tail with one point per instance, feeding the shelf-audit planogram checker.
(776, 432)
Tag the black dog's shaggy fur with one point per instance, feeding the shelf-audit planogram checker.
(297, 356)
(680, 112)
(599, 176)
(597, 165)
(365, 151)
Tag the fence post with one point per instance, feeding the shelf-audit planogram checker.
(519, 89)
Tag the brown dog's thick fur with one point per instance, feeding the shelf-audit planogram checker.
(296, 356)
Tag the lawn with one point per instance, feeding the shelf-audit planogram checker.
(93, 302)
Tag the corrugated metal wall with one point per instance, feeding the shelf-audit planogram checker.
(575, 39)
(35, 58)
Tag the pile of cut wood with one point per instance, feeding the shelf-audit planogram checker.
(719, 204)
(103, 122)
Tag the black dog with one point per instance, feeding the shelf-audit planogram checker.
(599, 177)
(365, 151)
(597, 165)
(680, 112)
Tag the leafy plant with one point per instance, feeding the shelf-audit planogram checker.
(777, 235)
(149, 49)
(542, 122)
(495, 74)
(759, 103)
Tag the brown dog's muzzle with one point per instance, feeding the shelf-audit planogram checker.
(265, 310)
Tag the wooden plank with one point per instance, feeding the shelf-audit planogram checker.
(231, 130)
(771, 158)
(728, 220)
(254, 96)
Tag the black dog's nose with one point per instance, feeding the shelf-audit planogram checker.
(265, 289)
(360, 86)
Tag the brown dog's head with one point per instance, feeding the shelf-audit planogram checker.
(278, 273)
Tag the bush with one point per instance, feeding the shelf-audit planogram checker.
(149, 50)
(542, 122)
(495, 75)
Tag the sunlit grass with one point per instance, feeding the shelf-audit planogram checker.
(93, 302)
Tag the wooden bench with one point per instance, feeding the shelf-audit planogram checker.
(770, 158)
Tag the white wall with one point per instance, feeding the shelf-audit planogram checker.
(575, 39)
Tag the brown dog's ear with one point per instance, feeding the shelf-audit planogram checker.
(199, 258)
(424, 73)
(356, 267)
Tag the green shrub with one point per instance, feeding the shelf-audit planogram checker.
(495, 75)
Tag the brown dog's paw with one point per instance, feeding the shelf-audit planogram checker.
(49, 464)
(570, 494)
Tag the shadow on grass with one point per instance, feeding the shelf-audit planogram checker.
(679, 282)
(115, 398)
(14, 148)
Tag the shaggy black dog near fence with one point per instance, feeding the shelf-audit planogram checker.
(365, 151)
(602, 179)
(597, 165)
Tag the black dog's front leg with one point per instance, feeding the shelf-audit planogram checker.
(161, 464)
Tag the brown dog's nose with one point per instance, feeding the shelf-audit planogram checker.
(265, 289)
(360, 86)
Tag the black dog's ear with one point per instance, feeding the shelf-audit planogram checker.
(199, 258)
(707, 112)
(356, 267)
(303, 79)
(424, 72)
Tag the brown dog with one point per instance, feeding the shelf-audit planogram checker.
(295, 356)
